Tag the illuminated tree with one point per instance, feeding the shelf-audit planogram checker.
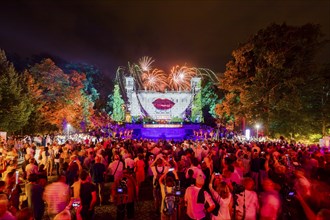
(15, 105)
(210, 98)
(196, 110)
(118, 114)
(62, 97)
(268, 77)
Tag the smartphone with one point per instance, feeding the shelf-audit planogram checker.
(170, 170)
(217, 174)
(76, 204)
(291, 193)
(178, 193)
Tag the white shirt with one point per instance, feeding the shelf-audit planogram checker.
(112, 168)
(129, 162)
(250, 199)
(196, 210)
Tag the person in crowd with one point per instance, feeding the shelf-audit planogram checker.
(57, 157)
(13, 191)
(31, 167)
(195, 204)
(194, 167)
(158, 167)
(270, 203)
(255, 168)
(4, 213)
(115, 168)
(89, 160)
(34, 194)
(57, 196)
(139, 169)
(50, 160)
(98, 171)
(88, 196)
(129, 162)
(247, 202)
(125, 192)
(73, 170)
(25, 214)
(222, 195)
(167, 186)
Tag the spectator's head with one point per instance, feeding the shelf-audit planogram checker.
(169, 181)
(223, 190)
(24, 214)
(200, 180)
(10, 178)
(83, 175)
(231, 168)
(248, 183)
(194, 161)
(97, 159)
(116, 157)
(32, 160)
(61, 179)
(33, 177)
(2, 185)
(268, 185)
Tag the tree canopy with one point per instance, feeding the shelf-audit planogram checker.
(15, 105)
(273, 79)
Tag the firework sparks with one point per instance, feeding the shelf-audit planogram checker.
(180, 77)
(145, 63)
(154, 80)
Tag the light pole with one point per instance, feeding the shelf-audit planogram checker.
(257, 127)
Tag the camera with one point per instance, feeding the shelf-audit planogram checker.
(170, 170)
(122, 186)
(178, 192)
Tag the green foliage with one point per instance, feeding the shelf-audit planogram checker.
(196, 110)
(15, 105)
(109, 105)
(210, 98)
(91, 72)
(176, 120)
(118, 111)
(269, 77)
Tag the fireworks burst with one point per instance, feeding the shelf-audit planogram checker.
(154, 80)
(145, 63)
(179, 78)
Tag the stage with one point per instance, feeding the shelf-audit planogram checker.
(175, 132)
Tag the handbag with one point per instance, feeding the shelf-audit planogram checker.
(111, 178)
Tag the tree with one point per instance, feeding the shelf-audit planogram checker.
(210, 98)
(118, 111)
(266, 79)
(61, 99)
(196, 110)
(15, 106)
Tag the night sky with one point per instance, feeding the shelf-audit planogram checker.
(109, 33)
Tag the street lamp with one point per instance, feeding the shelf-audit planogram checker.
(257, 127)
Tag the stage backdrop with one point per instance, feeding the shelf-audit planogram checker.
(158, 105)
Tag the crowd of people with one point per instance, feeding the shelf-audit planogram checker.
(209, 179)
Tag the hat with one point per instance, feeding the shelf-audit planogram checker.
(200, 179)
